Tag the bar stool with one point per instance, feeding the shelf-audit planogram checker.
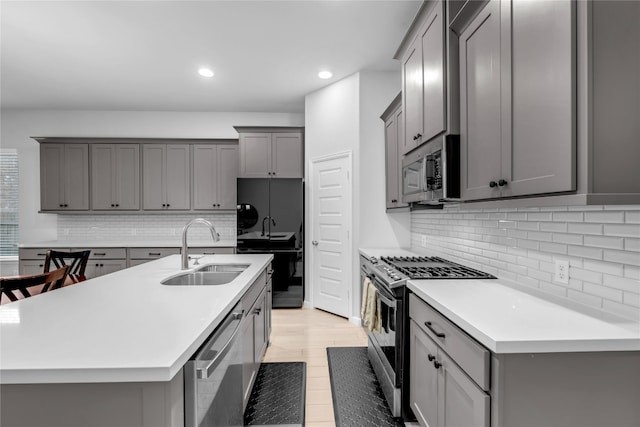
(77, 261)
(28, 286)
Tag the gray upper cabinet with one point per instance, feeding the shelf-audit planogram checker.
(215, 169)
(166, 177)
(517, 100)
(393, 127)
(271, 152)
(64, 177)
(115, 176)
(424, 80)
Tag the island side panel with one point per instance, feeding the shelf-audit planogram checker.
(566, 389)
(94, 405)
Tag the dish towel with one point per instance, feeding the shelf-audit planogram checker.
(371, 306)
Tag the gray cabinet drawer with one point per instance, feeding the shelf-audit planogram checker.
(105, 253)
(37, 253)
(472, 357)
(152, 253)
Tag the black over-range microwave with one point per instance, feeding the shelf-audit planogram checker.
(431, 173)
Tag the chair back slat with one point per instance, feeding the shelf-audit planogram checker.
(28, 286)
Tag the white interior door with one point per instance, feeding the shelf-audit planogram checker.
(331, 230)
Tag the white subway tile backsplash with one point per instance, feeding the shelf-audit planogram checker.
(568, 216)
(600, 217)
(624, 230)
(601, 243)
(604, 242)
(151, 227)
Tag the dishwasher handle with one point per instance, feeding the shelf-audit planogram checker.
(205, 372)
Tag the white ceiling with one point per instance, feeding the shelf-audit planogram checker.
(144, 55)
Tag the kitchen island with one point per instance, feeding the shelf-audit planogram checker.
(110, 351)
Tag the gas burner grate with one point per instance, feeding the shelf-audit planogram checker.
(422, 267)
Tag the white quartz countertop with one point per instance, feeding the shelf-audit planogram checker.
(133, 243)
(122, 327)
(507, 318)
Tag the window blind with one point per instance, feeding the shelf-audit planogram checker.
(9, 203)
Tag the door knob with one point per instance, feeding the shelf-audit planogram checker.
(314, 243)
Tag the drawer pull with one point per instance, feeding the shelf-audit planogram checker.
(438, 334)
(41, 254)
(99, 254)
(154, 253)
(436, 364)
(431, 357)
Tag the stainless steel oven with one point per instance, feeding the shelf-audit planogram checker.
(388, 349)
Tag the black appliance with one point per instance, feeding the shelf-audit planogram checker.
(271, 220)
(431, 173)
(388, 349)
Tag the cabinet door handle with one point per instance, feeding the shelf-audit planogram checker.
(41, 254)
(436, 333)
(154, 253)
(493, 184)
(431, 357)
(502, 183)
(257, 311)
(436, 364)
(99, 254)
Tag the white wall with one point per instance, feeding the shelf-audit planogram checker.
(345, 116)
(17, 126)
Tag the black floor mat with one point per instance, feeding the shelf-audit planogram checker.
(278, 395)
(357, 397)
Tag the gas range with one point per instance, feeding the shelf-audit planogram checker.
(394, 271)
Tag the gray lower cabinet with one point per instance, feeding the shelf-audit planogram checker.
(455, 381)
(115, 177)
(64, 177)
(166, 177)
(215, 169)
(517, 100)
(271, 154)
(442, 393)
(104, 261)
(393, 137)
(256, 329)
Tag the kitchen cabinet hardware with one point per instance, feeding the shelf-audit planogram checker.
(502, 183)
(417, 137)
(99, 254)
(436, 364)
(314, 243)
(436, 333)
(39, 254)
(257, 311)
(493, 184)
(155, 253)
(394, 201)
(431, 357)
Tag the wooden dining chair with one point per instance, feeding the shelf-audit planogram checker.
(28, 286)
(77, 262)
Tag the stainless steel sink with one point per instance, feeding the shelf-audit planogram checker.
(233, 268)
(207, 275)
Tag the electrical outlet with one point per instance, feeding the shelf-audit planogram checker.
(423, 241)
(562, 272)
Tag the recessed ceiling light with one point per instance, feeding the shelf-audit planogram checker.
(205, 72)
(325, 74)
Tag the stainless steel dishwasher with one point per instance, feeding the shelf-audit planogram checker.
(213, 378)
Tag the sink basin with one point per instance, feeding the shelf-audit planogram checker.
(207, 275)
(229, 268)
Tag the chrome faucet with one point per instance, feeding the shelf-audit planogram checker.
(185, 254)
(273, 221)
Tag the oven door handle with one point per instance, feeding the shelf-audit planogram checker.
(388, 301)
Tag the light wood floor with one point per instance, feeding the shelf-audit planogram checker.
(303, 335)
